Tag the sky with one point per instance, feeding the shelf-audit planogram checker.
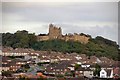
(93, 18)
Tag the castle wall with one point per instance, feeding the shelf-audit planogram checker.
(43, 38)
(69, 37)
(82, 39)
(56, 33)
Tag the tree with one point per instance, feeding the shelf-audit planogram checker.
(60, 75)
(97, 70)
(40, 78)
(7, 73)
(68, 74)
(26, 66)
(77, 66)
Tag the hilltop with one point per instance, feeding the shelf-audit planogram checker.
(99, 46)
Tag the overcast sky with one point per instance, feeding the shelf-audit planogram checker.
(93, 18)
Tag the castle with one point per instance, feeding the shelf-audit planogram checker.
(56, 33)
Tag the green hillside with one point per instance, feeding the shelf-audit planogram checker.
(98, 46)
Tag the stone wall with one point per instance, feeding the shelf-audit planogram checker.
(77, 37)
(42, 38)
(82, 39)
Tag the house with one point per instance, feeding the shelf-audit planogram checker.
(27, 57)
(37, 60)
(107, 72)
(5, 67)
(62, 58)
(78, 57)
(34, 69)
(85, 65)
(71, 67)
(87, 72)
(16, 64)
(93, 60)
(103, 74)
(45, 59)
(14, 52)
(62, 67)
(116, 72)
(5, 63)
(108, 68)
(54, 59)
(33, 55)
(105, 66)
(106, 60)
(11, 64)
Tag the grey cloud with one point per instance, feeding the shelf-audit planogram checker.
(38, 13)
(72, 12)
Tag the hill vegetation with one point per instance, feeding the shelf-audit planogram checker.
(98, 46)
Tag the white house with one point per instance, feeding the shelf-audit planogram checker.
(88, 74)
(72, 68)
(103, 74)
(85, 65)
(111, 75)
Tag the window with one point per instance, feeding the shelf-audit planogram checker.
(102, 72)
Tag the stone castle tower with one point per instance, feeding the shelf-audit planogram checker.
(54, 32)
